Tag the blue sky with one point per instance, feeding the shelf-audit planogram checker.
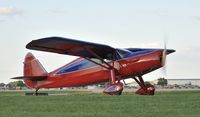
(127, 23)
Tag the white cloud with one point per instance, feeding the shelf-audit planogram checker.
(9, 11)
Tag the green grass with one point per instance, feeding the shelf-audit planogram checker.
(77, 104)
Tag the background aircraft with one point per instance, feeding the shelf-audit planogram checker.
(97, 63)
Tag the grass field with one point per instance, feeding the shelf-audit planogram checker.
(78, 104)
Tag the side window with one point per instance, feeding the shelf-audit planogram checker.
(77, 66)
(97, 60)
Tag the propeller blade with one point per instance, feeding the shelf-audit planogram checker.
(164, 55)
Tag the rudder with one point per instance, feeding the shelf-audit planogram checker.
(32, 67)
(33, 71)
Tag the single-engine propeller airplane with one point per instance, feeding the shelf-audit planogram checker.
(97, 63)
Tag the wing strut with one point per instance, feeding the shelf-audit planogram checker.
(115, 88)
(110, 67)
(97, 56)
(97, 63)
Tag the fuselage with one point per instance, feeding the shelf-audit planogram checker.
(128, 63)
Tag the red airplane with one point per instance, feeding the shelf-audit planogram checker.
(97, 63)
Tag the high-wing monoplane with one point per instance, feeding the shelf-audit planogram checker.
(96, 63)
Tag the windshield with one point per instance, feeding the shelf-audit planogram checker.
(123, 52)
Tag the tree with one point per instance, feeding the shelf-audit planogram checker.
(2, 84)
(20, 83)
(11, 85)
(15, 84)
(162, 82)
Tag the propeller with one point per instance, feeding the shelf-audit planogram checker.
(164, 55)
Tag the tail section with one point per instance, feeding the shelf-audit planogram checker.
(33, 71)
(32, 67)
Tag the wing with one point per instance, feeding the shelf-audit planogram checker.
(71, 47)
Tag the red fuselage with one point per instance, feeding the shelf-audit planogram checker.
(127, 67)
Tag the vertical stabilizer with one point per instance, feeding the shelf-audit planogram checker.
(32, 67)
(33, 71)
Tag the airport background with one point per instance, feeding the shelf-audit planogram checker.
(192, 83)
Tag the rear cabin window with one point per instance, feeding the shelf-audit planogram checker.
(83, 64)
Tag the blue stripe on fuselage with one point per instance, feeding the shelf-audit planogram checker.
(84, 64)
(139, 53)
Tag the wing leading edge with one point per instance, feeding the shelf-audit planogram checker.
(73, 47)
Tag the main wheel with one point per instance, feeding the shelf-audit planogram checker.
(150, 89)
(114, 89)
(117, 93)
(147, 90)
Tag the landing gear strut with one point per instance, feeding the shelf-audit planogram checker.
(145, 88)
(36, 91)
(115, 88)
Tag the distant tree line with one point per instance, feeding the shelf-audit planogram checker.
(12, 85)
(162, 82)
(20, 84)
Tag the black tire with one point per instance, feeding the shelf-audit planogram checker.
(117, 93)
(152, 93)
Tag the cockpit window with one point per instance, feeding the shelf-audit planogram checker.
(123, 53)
(83, 64)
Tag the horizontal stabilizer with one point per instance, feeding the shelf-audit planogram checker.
(33, 78)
